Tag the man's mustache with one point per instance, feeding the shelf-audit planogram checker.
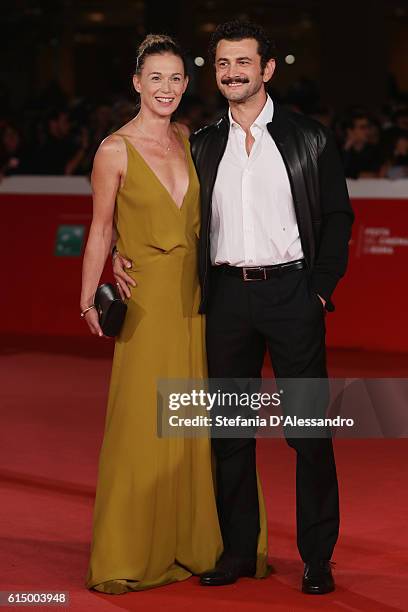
(234, 80)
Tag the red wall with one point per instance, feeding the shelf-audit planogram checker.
(40, 292)
(372, 299)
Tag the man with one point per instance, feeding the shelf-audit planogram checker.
(275, 225)
(59, 154)
(361, 158)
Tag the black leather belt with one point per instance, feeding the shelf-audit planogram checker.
(262, 273)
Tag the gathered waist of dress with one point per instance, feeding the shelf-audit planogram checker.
(177, 257)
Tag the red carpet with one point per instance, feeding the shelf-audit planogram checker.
(53, 401)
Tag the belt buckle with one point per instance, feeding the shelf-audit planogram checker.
(246, 271)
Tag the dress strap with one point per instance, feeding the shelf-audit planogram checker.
(128, 146)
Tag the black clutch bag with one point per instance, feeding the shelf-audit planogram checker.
(111, 309)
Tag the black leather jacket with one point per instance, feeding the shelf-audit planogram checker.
(319, 191)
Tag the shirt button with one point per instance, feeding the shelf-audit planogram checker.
(283, 228)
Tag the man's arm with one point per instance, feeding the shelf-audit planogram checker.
(337, 219)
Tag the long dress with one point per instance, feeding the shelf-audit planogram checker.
(155, 517)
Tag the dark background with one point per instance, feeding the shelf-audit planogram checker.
(78, 56)
(356, 52)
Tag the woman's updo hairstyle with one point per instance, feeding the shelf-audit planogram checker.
(157, 44)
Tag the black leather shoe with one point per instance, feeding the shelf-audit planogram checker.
(318, 578)
(227, 571)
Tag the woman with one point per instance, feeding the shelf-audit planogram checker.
(155, 517)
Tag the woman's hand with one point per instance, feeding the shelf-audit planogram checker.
(123, 280)
(92, 319)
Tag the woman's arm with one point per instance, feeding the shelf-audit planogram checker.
(106, 175)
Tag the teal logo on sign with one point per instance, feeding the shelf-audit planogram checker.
(69, 240)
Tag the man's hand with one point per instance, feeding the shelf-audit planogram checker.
(123, 280)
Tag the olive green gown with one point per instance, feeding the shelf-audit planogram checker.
(155, 518)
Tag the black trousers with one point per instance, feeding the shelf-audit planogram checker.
(284, 316)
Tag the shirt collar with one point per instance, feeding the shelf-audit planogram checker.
(264, 117)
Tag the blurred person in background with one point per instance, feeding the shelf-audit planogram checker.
(396, 124)
(302, 96)
(60, 153)
(374, 132)
(395, 165)
(322, 114)
(100, 126)
(12, 154)
(360, 157)
(400, 118)
(123, 111)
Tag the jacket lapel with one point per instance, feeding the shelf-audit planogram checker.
(207, 164)
(293, 153)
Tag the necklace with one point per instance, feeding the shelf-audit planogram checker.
(166, 148)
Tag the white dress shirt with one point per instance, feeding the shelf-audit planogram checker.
(253, 220)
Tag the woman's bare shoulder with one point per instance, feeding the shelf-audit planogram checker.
(113, 143)
(111, 153)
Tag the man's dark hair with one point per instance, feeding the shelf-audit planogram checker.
(238, 30)
(53, 114)
(351, 119)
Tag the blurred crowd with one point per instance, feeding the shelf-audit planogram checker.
(63, 139)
